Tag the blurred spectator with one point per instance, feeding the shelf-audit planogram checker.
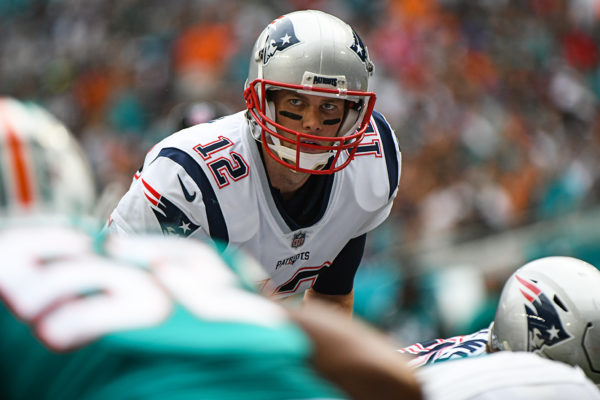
(185, 115)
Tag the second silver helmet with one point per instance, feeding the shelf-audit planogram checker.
(551, 306)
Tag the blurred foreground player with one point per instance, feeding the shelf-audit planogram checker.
(89, 316)
(42, 168)
(156, 317)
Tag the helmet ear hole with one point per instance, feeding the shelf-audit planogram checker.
(354, 105)
(560, 303)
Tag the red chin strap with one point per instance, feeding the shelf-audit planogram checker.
(256, 106)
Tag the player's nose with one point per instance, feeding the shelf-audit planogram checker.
(311, 120)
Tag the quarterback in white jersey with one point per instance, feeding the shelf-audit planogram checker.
(549, 306)
(296, 180)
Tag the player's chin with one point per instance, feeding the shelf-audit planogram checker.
(291, 166)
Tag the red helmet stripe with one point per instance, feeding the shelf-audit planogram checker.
(529, 285)
(527, 296)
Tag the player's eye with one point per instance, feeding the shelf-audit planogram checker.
(329, 107)
(296, 102)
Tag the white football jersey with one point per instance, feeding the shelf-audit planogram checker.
(209, 181)
(505, 375)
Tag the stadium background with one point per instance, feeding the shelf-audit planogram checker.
(494, 102)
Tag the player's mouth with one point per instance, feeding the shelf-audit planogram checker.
(308, 146)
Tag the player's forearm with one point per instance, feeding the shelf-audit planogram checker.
(355, 357)
(341, 302)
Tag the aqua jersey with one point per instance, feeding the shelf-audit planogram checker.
(127, 318)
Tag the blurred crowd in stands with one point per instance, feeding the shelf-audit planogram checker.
(494, 102)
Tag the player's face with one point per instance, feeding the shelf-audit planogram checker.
(314, 115)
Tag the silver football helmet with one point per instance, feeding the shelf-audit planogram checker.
(551, 306)
(313, 53)
(42, 168)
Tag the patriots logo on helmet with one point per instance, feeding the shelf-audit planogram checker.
(172, 220)
(543, 322)
(281, 36)
(359, 48)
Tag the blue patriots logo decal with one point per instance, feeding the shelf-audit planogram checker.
(359, 48)
(543, 322)
(172, 220)
(281, 36)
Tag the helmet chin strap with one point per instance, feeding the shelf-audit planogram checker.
(493, 344)
(314, 161)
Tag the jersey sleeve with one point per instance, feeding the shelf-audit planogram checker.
(164, 197)
(339, 277)
(381, 141)
(438, 350)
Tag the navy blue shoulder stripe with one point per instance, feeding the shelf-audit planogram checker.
(216, 221)
(389, 149)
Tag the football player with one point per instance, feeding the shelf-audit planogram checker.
(297, 179)
(154, 317)
(549, 306)
(96, 316)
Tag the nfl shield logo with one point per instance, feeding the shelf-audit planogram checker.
(298, 239)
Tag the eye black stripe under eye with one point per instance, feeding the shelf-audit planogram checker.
(331, 121)
(290, 115)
